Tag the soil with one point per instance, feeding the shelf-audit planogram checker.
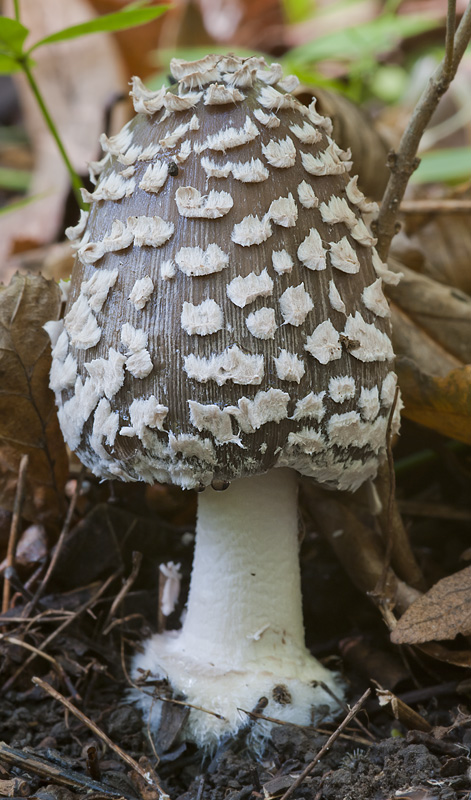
(49, 754)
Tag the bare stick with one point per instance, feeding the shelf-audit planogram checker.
(307, 771)
(136, 565)
(405, 161)
(435, 206)
(14, 529)
(101, 735)
(89, 604)
(63, 535)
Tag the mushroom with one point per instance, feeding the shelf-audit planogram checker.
(225, 330)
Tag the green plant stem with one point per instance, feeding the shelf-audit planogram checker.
(74, 178)
(16, 4)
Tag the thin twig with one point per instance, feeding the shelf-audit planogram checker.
(450, 35)
(14, 529)
(150, 781)
(57, 550)
(9, 683)
(437, 205)
(405, 161)
(307, 771)
(136, 565)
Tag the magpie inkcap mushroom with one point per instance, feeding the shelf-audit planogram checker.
(226, 327)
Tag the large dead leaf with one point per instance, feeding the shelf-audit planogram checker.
(442, 613)
(78, 79)
(432, 341)
(28, 420)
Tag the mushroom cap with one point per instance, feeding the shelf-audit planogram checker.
(225, 313)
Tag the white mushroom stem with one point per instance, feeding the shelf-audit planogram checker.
(243, 635)
(245, 596)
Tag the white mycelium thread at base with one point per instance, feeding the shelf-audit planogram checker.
(311, 251)
(195, 261)
(324, 343)
(262, 323)
(282, 261)
(203, 319)
(280, 154)
(231, 365)
(141, 292)
(342, 388)
(243, 291)
(295, 305)
(289, 367)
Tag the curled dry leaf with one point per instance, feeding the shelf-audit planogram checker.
(440, 403)
(28, 420)
(432, 340)
(442, 613)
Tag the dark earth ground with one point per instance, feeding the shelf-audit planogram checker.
(52, 755)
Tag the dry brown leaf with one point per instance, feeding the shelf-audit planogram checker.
(440, 403)
(442, 312)
(66, 73)
(442, 613)
(445, 242)
(28, 420)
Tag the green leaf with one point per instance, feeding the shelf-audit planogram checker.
(8, 64)
(130, 17)
(451, 165)
(297, 10)
(12, 36)
(370, 39)
(14, 180)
